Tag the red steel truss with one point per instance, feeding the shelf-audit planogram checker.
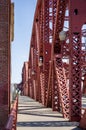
(55, 67)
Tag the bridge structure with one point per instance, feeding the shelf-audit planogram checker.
(57, 58)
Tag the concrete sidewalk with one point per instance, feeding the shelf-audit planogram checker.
(34, 116)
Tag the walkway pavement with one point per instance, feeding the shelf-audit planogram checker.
(34, 116)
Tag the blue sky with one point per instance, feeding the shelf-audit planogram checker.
(23, 20)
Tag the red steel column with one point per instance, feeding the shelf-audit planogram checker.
(57, 57)
(55, 92)
(77, 18)
(46, 46)
(4, 61)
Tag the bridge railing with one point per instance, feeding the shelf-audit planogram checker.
(11, 123)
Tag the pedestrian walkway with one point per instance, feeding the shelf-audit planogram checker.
(34, 116)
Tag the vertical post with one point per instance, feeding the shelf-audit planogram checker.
(4, 61)
(75, 77)
(76, 20)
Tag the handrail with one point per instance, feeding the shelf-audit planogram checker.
(11, 123)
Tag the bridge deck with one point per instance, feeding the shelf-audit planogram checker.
(33, 115)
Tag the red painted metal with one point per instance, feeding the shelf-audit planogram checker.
(25, 78)
(63, 90)
(4, 61)
(76, 21)
(12, 119)
(60, 73)
(58, 65)
(55, 93)
(51, 94)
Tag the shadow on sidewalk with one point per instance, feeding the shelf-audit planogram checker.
(47, 124)
(36, 113)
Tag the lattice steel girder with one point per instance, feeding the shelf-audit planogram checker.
(47, 52)
(39, 25)
(62, 88)
(46, 45)
(52, 16)
(49, 89)
(48, 22)
(36, 49)
(56, 46)
(77, 18)
(59, 22)
(55, 92)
